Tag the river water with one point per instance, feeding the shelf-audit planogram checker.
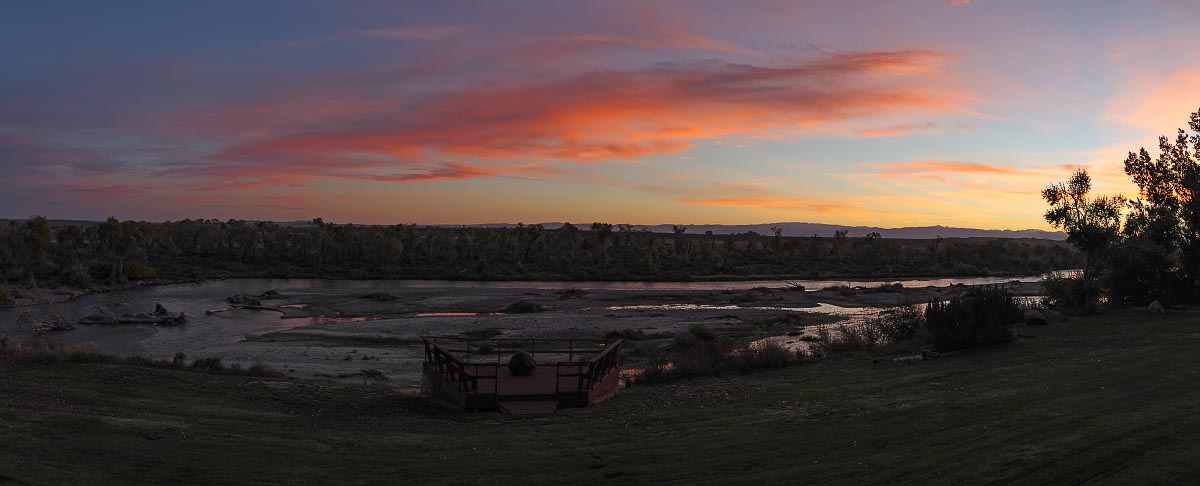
(221, 333)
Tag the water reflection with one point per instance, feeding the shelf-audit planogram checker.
(819, 307)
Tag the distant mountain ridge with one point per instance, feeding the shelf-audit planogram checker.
(828, 230)
(789, 229)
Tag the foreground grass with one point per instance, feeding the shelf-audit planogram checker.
(1109, 399)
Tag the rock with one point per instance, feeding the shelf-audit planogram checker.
(522, 364)
(1155, 307)
(243, 299)
(379, 297)
(1053, 316)
(98, 319)
(1034, 317)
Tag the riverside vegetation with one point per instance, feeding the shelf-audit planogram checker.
(113, 253)
(1140, 251)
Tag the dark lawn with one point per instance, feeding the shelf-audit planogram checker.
(1109, 399)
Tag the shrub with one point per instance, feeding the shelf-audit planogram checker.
(379, 296)
(699, 353)
(900, 323)
(1065, 294)
(138, 271)
(862, 338)
(76, 276)
(571, 294)
(6, 297)
(372, 374)
(260, 369)
(982, 315)
(766, 354)
(143, 360)
(885, 288)
(38, 351)
(842, 290)
(486, 333)
(208, 364)
(627, 334)
(524, 307)
(702, 333)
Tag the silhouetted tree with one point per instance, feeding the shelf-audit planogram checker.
(1092, 223)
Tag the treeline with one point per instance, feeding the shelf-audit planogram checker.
(1138, 251)
(113, 252)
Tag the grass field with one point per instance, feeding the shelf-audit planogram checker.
(1108, 399)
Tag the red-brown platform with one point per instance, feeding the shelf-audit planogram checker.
(541, 382)
(455, 383)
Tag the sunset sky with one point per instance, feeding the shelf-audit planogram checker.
(885, 113)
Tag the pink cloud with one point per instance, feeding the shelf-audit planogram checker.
(599, 116)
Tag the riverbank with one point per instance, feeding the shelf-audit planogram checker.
(56, 295)
(341, 329)
(1105, 399)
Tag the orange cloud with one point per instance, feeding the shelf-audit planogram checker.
(1157, 103)
(772, 202)
(612, 115)
(896, 130)
(668, 40)
(937, 167)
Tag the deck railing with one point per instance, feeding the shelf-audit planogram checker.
(465, 374)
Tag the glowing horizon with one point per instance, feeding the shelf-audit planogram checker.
(888, 114)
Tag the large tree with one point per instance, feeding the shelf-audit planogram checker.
(1167, 211)
(1092, 224)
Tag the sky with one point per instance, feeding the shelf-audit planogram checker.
(883, 113)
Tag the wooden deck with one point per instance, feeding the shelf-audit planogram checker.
(540, 383)
(455, 383)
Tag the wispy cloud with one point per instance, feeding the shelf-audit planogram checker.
(941, 167)
(609, 115)
(896, 130)
(664, 40)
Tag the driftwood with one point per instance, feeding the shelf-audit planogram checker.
(259, 308)
(255, 300)
(158, 320)
(160, 317)
(41, 325)
(243, 299)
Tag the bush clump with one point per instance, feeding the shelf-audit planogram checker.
(524, 307)
(379, 296)
(48, 352)
(699, 352)
(1065, 293)
(565, 294)
(983, 315)
(627, 334)
(6, 297)
(208, 364)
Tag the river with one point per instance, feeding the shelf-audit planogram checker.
(438, 307)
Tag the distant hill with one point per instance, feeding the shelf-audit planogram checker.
(827, 230)
(789, 229)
